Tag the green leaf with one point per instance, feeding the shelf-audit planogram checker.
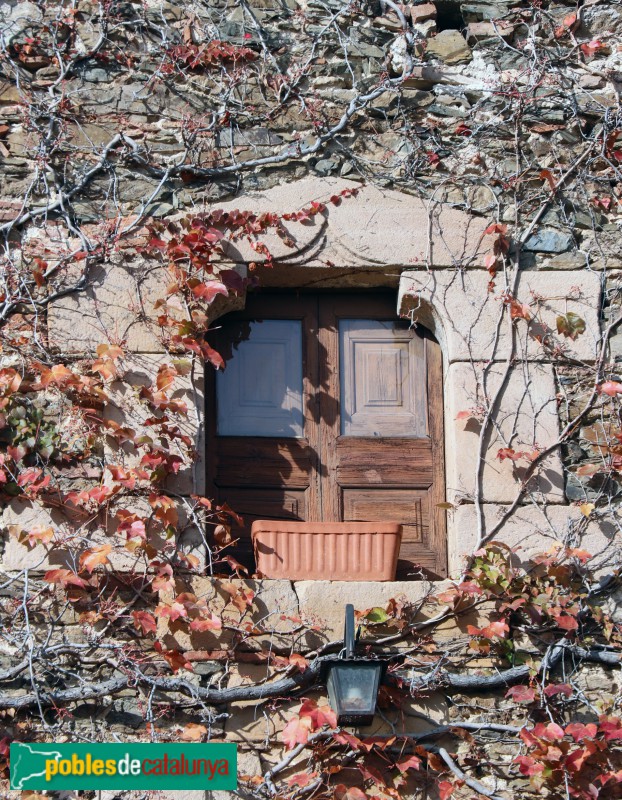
(376, 615)
(570, 325)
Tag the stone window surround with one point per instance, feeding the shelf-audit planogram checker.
(432, 257)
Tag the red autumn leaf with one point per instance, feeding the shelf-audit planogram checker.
(342, 737)
(209, 291)
(122, 476)
(519, 310)
(165, 377)
(445, 789)
(235, 565)
(164, 509)
(551, 732)
(496, 227)
(65, 577)
(500, 628)
(319, 715)
(412, 762)
(133, 527)
(144, 621)
(575, 760)
(569, 21)
(490, 262)
(349, 793)
(611, 388)
(567, 623)
(298, 661)
(528, 766)
(463, 130)
(553, 689)
(172, 610)
(29, 479)
(521, 694)
(175, 658)
(163, 582)
(206, 623)
(36, 534)
(582, 555)
(611, 727)
(372, 774)
(603, 202)
(588, 470)
(509, 452)
(591, 48)
(301, 779)
(579, 731)
(547, 175)
(296, 732)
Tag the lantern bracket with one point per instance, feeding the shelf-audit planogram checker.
(348, 634)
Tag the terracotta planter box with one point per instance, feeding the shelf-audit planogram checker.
(327, 551)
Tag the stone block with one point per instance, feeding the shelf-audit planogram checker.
(450, 47)
(126, 408)
(251, 721)
(274, 610)
(526, 420)
(548, 240)
(480, 31)
(71, 536)
(9, 93)
(533, 530)
(360, 231)
(323, 602)
(422, 12)
(464, 315)
(117, 307)
(415, 715)
(249, 766)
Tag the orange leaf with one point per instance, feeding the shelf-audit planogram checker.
(95, 557)
(65, 577)
(587, 508)
(192, 732)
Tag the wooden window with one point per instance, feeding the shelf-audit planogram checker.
(330, 408)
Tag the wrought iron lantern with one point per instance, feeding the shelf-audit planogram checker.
(353, 682)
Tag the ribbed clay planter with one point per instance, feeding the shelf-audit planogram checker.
(327, 551)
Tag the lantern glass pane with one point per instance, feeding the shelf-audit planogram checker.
(352, 688)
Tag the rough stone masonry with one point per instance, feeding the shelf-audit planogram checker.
(451, 117)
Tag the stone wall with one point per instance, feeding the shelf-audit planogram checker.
(450, 117)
